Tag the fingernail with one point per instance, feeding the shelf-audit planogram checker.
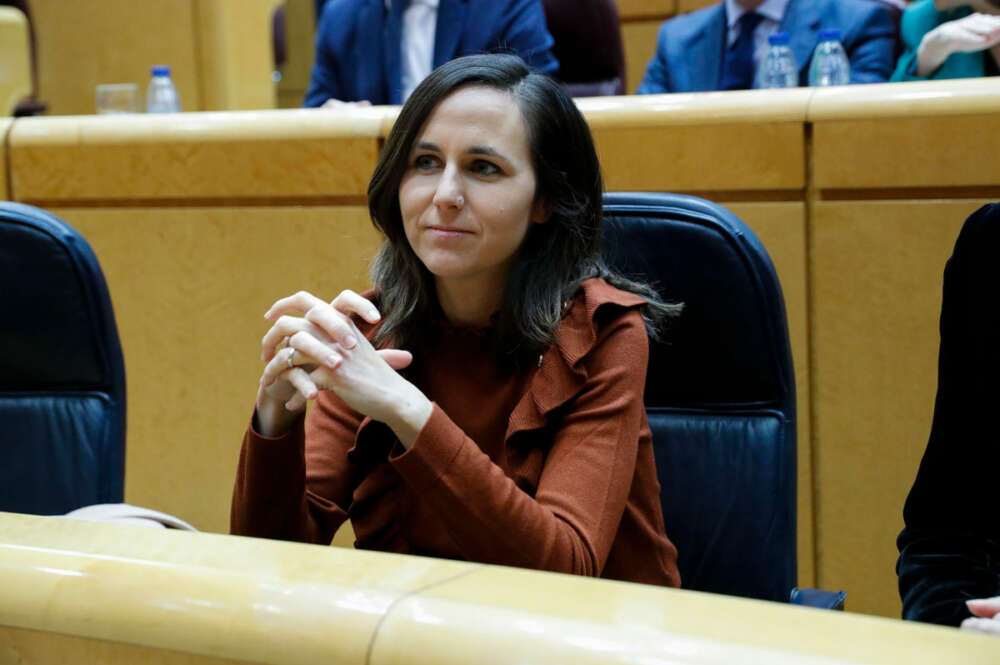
(350, 342)
(331, 361)
(373, 314)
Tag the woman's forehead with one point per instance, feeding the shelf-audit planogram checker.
(476, 111)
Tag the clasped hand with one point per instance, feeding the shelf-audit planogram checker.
(314, 345)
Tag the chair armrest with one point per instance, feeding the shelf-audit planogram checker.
(826, 600)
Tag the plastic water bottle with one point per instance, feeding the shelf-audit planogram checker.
(161, 96)
(778, 68)
(830, 65)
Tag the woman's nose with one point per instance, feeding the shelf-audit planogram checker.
(449, 192)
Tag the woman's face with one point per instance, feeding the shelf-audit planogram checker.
(468, 195)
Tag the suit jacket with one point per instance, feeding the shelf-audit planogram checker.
(358, 43)
(690, 47)
(949, 551)
(573, 488)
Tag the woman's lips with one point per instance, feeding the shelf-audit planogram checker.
(448, 232)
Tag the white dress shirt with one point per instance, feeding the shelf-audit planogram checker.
(417, 49)
(772, 11)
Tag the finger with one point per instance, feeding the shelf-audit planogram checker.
(277, 365)
(285, 326)
(989, 626)
(297, 303)
(296, 403)
(396, 358)
(335, 325)
(300, 379)
(313, 351)
(984, 607)
(349, 302)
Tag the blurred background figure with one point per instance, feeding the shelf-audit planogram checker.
(947, 39)
(949, 550)
(377, 51)
(718, 48)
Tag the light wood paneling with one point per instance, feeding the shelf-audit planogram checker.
(15, 58)
(685, 6)
(781, 227)
(190, 287)
(908, 152)
(5, 125)
(633, 9)
(211, 155)
(237, 57)
(300, 30)
(38, 647)
(86, 42)
(876, 294)
(762, 156)
(639, 39)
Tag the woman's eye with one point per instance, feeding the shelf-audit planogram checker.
(425, 162)
(482, 167)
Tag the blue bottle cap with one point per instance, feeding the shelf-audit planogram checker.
(829, 35)
(161, 70)
(778, 38)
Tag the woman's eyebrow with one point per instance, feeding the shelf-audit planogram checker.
(427, 145)
(486, 150)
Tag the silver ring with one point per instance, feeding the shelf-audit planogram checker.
(291, 356)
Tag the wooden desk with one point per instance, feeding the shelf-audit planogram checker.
(109, 594)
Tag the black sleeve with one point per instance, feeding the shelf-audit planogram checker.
(949, 547)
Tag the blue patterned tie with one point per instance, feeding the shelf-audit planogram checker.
(737, 68)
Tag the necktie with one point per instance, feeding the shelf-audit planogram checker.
(737, 68)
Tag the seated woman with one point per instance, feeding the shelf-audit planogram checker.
(946, 39)
(949, 552)
(484, 402)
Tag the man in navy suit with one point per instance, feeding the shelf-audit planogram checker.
(365, 48)
(704, 50)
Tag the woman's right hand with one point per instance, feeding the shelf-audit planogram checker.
(295, 348)
(976, 32)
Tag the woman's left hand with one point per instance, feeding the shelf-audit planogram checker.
(986, 617)
(338, 357)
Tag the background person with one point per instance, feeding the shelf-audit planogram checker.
(949, 550)
(947, 39)
(515, 433)
(377, 51)
(718, 47)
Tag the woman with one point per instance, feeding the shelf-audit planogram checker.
(515, 432)
(947, 39)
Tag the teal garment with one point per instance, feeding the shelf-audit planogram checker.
(919, 19)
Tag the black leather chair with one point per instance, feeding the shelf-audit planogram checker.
(62, 376)
(720, 393)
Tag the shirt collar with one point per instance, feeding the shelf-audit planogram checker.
(771, 9)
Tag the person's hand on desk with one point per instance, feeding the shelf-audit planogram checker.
(976, 32)
(337, 104)
(324, 350)
(986, 617)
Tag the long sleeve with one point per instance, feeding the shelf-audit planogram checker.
(950, 547)
(279, 494)
(570, 523)
(872, 55)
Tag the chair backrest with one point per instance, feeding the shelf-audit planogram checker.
(720, 391)
(62, 376)
(588, 46)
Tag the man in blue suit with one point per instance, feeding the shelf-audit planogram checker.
(360, 53)
(704, 50)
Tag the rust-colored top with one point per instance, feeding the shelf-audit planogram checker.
(551, 468)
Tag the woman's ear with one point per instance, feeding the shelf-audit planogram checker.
(540, 211)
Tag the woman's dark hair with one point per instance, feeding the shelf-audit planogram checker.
(554, 258)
